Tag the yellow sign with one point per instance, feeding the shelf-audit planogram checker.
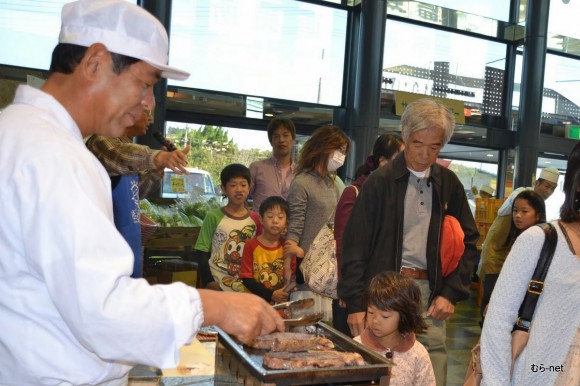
(402, 99)
(177, 184)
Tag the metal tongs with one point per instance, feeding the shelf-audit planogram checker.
(296, 312)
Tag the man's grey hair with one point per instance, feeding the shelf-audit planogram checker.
(426, 114)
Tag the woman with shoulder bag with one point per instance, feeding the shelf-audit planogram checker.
(552, 353)
(312, 197)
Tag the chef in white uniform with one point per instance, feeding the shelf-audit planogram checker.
(70, 313)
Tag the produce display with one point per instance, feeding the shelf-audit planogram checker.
(182, 213)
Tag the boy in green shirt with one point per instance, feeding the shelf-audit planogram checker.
(224, 233)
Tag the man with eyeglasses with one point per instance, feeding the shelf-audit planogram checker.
(495, 247)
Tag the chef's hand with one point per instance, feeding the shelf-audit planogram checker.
(356, 323)
(242, 315)
(440, 308)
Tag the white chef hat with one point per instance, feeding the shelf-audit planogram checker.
(487, 189)
(550, 174)
(124, 28)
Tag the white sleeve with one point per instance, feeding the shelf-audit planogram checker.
(506, 207)
(84, 264)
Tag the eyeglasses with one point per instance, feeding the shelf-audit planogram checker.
(149, 115)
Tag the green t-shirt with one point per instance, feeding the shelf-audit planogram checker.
(224, 237)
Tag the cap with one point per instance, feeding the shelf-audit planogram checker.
(124, 28)
(550, 174)
(487, 189)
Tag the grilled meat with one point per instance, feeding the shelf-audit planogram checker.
(292, 342)
(311, 359)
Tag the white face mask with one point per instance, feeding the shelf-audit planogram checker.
(335, 160)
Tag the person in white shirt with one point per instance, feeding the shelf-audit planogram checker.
(71, 313)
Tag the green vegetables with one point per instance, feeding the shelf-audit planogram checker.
(180, 212)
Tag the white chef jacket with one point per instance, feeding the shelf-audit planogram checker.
(70, 314)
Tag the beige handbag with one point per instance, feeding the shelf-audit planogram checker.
(319, 266)
(474, 374)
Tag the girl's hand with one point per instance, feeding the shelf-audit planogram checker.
(280, 296)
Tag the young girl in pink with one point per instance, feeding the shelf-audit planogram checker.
(393, 316)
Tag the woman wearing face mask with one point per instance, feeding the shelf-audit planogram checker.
(313, 197)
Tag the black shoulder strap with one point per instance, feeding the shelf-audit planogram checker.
(536, 285)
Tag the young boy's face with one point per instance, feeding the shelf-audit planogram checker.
(237, 190)
(274, 221)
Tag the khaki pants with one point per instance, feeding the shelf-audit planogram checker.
(434, 338)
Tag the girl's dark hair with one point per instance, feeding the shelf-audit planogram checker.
(274, 202)
(66, 57)
(386, 145)
(235, 171)
(535, 201)
(570, 210)
(319, 146)
(391, 291)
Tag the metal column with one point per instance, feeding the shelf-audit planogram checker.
(368, 71)
(161, 10)
(532, 87)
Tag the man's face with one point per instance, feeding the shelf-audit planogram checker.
(282, 142)
(121, 99)
(139, 128)
(545, 188)
(422, 149)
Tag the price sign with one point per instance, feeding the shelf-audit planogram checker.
(177, 184)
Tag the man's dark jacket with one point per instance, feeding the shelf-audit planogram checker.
(372, 240)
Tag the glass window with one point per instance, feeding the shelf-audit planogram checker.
(435, 63)
(473, 175)
(494, 9)
(562, 90)
(214, 147)
(29, 31)
(282, 49)
(563, 18)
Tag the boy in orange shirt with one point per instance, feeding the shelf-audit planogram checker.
(262, 261)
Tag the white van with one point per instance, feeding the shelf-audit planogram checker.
(195, 184)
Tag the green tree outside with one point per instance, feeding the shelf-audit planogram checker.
(212, 149)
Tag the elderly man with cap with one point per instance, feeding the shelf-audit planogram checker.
(495, 248)
(71, 314)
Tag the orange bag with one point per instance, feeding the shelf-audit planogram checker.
(451, 247)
